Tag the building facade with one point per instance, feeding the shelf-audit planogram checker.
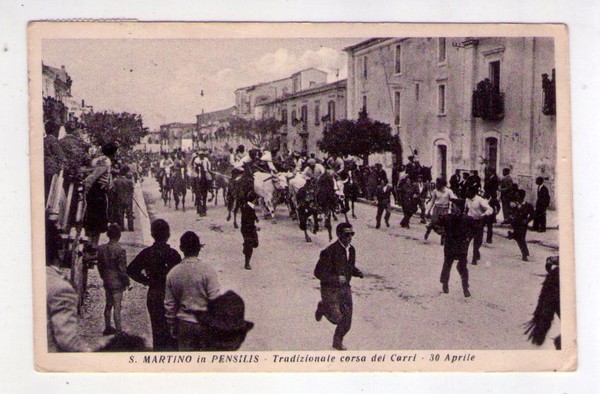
(177, 136)
(212, 130)
(249, 100)
(461, 103)
(306, 113)
(56, 83)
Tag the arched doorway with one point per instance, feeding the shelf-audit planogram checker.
(440, 159)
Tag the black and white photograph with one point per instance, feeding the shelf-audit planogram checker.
(301, 197)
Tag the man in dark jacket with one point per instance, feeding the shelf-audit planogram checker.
(455, 183)
(150, 268)
(541, 205)
(123, 199)
(409, 200)
(458, 231)
(491, 184)
(335, 269)
(522, 214)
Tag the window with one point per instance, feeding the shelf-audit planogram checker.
(397, 108)
(417, 87)
(304, 117)
(441, 99)
(398, 62)
(331, 110)
(495, 75)
(284, 118)
(365, 70)
(294, 119)
(364, 104)
(441, 50)
(317, 113)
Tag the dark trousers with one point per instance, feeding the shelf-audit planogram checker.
(422, 209)
(461, 267)
(380, 209)
(408, 211)
(539, 219)
(478, 228)
(489, 224)
(506, 209)
(336, 306)
(192, 336)
(519, 235)
(161, 338)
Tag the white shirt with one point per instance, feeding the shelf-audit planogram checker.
(478, 207)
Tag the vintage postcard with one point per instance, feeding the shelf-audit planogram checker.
(224, 197)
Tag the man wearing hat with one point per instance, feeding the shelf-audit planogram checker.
(335, 269)
(226, 324)
(313, 170)
(190, 286)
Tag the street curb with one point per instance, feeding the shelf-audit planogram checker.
(497, 230)
(141, 212)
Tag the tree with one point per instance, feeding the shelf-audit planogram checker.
(124, 128)
(361, 137)
(260, 133)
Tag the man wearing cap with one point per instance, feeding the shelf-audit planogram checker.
(335, 269)
(190, 286)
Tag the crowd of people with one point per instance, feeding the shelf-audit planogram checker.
(184, 300)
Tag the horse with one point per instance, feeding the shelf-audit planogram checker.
(239, 188)
(200, 187)
(179, 185)
(165, 182)
(318, 197)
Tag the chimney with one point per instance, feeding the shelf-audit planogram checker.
(82, 103)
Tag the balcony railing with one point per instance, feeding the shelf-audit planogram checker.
(488, 102)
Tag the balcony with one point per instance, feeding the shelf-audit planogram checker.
(488, 102)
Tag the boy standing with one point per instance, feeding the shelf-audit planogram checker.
(112, 263)
(383, 194)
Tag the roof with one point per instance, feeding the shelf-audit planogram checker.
(307, 92)
(306, 69)
(261, 84)
(365, 44)
(178, 124)
(213, 116)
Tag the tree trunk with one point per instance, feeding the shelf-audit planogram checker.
(365, 159)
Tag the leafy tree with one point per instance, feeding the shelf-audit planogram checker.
(260, 133)
(124, 128)
(361, 138)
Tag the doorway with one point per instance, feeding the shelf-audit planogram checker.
(491, 152)
(442, 161)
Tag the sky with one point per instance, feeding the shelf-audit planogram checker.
(162, 79)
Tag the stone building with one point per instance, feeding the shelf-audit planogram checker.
(305, 113)
(177, 135)
(212, 130)
(56, 83)
(249, 99)
(462, 103)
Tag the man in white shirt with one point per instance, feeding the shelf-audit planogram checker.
(313, 170)
(477, 208)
